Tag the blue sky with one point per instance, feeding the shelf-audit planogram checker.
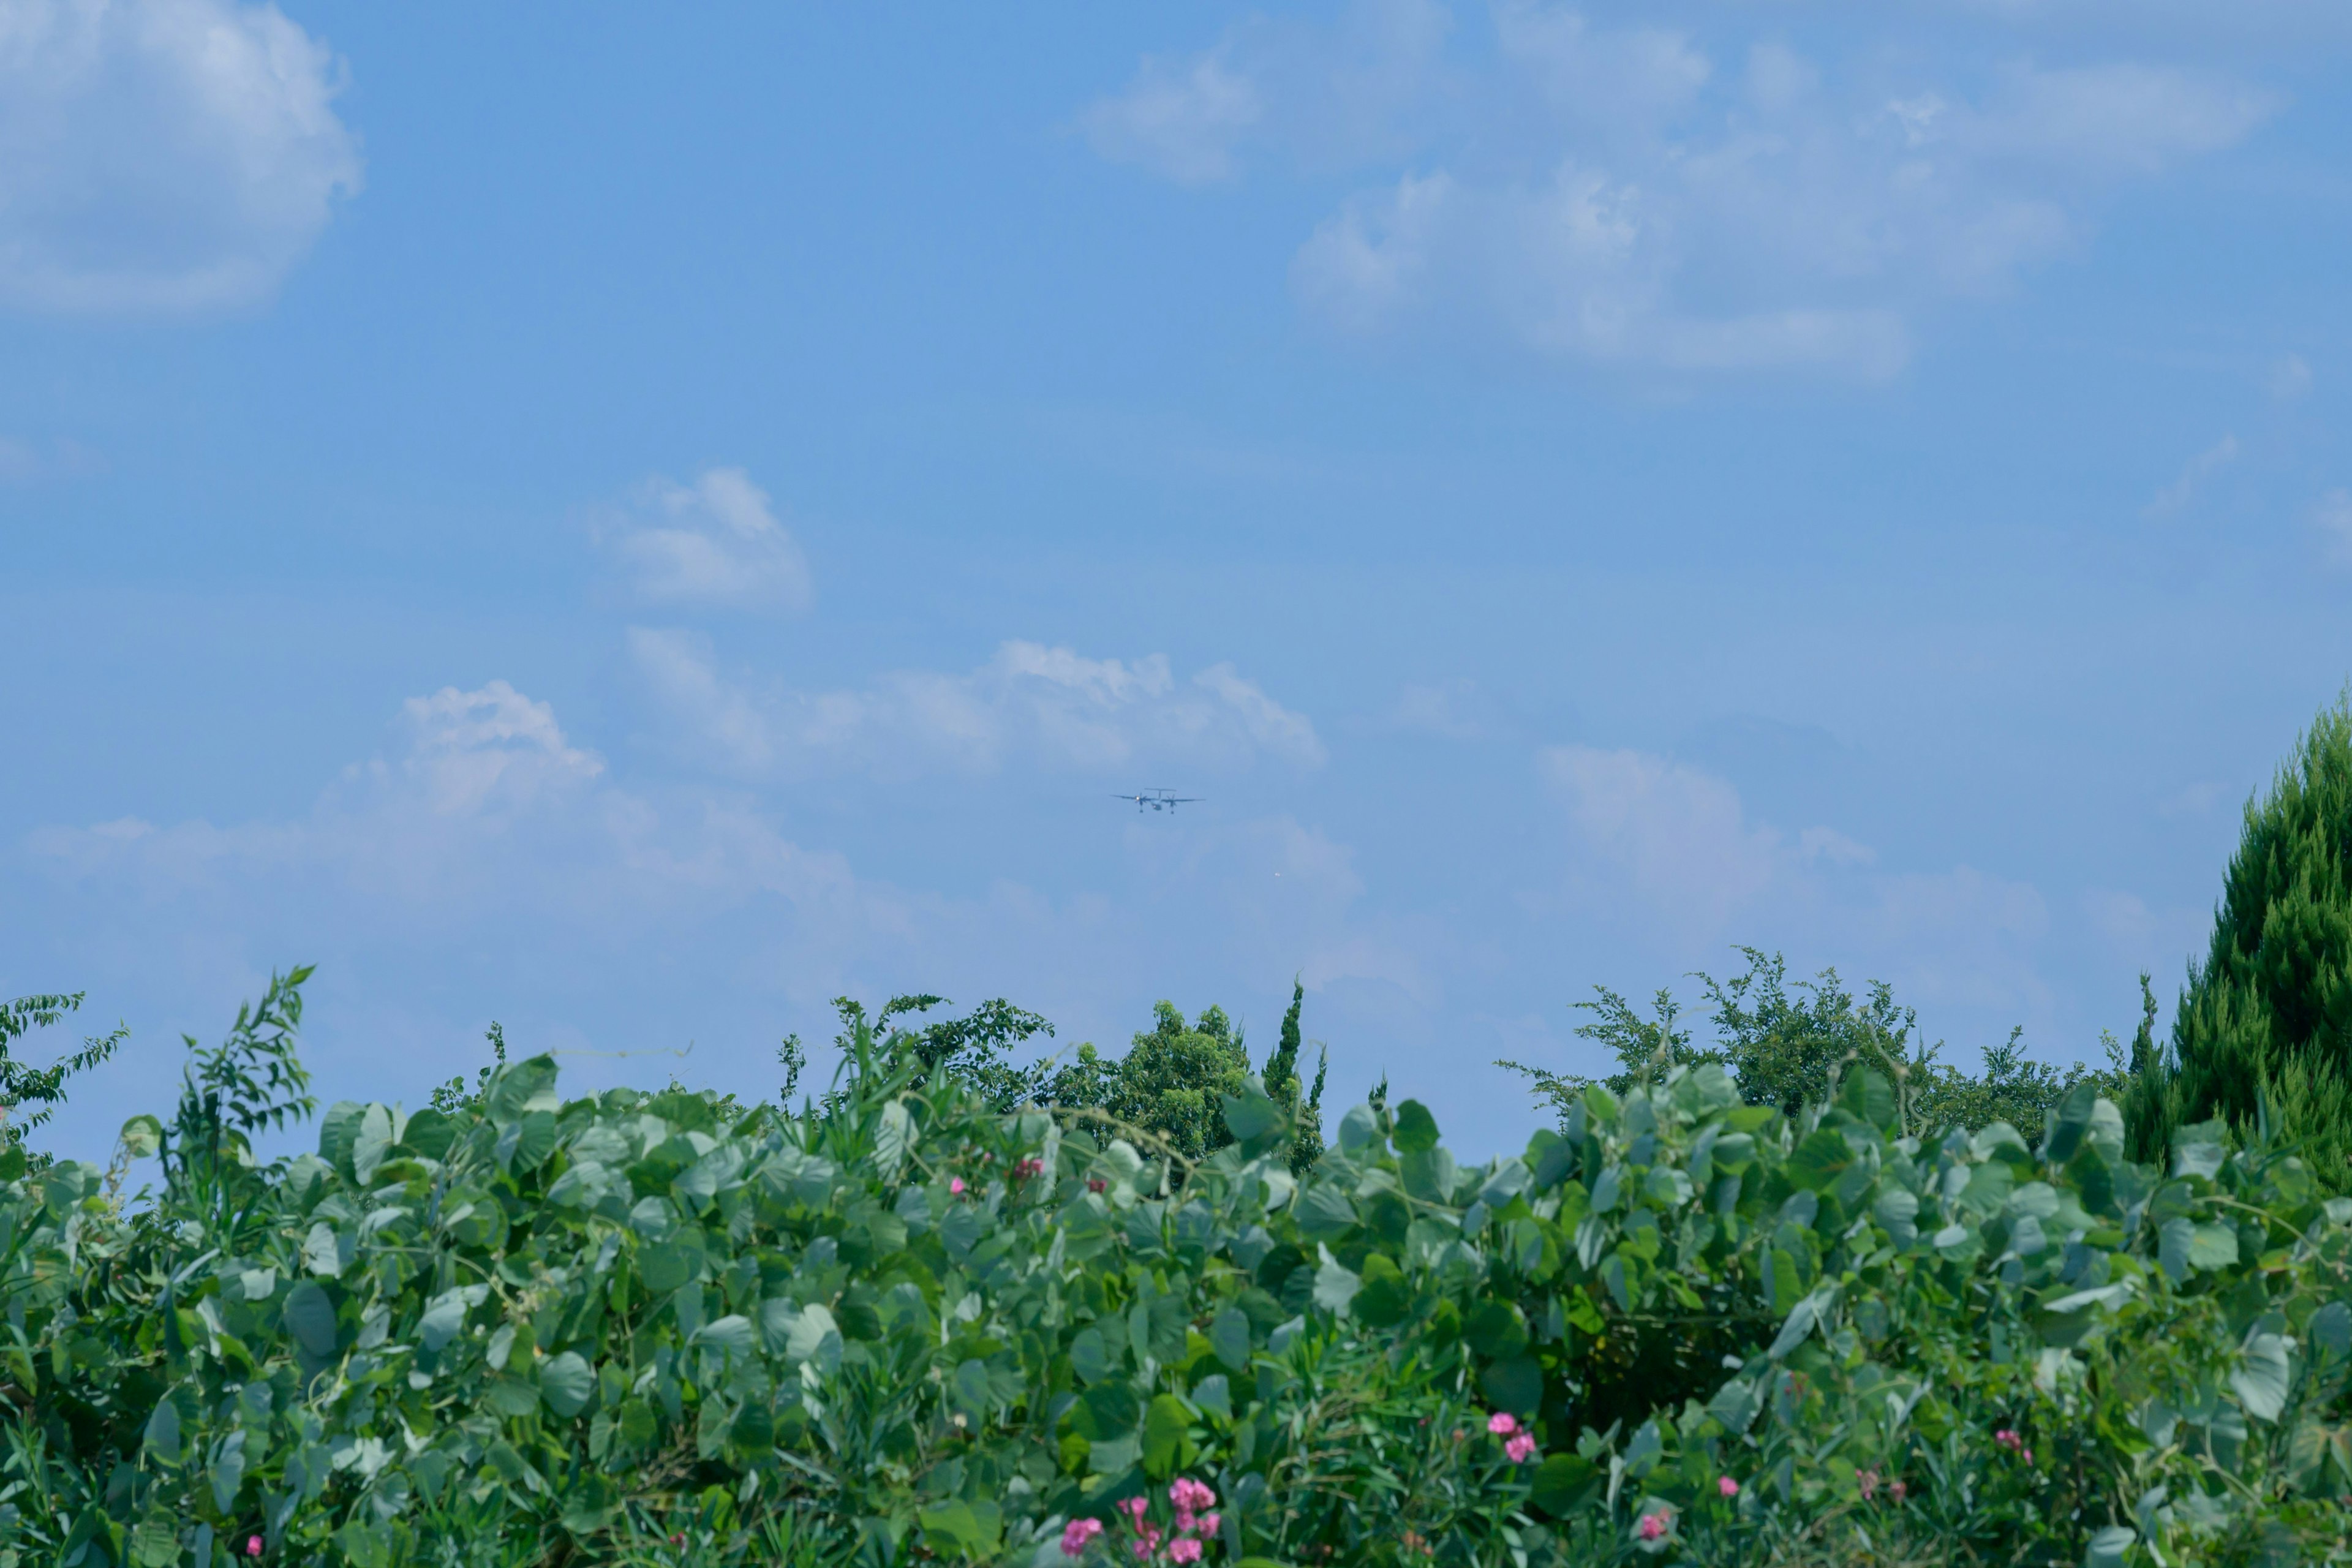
(637, 522)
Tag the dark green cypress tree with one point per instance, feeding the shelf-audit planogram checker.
(2264, 1027)
(1282, 1086)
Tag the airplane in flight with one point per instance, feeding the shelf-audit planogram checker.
(1158, 800)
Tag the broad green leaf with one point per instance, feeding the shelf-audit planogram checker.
(1164, 1426)
(1229, 1337)
(894, 1138)
(2213, 1246)
(370, 1143)
(309, 1315)
(1335, 1285)
(1565, 1484)
(2109, 1547)
(163, 1436)
(2263, 1376)
(141, 1138)
(566, 1382)
(1416, 1129)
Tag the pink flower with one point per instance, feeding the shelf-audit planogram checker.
(1134, 1507)
(253, 1546)
(955, 1185)
(1076, 1533)
(1185, 1523)
(1521, 1448)
(1726, 1485)
(2027, 1455)
(1868, 1480)
(1190, 1496)
(1899, 1489)
(1209, 1522)
(1184, 1551)
(1501, 1425)
(1652, 1527)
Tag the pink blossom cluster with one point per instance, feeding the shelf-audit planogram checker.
(1195, 1524)
(1653, 1526)
(2009, 1439)
(1518, 1444)
(1029, 1167)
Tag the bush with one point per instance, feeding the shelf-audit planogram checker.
(902, 1323)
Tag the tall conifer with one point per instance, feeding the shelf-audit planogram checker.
(2264, 1027)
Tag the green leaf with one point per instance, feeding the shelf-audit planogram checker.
(520, 1088)
(1495, 1329)
(141, 1138)
(2214, 1246)
(567, 1381)
(1251, 1115)
(2173, 1240)
(370, 1143)
(1416, 1129)
(1564, 1484)
(2108, 1547)
(2263, 1377)
(309, 1315)
(1515, 1384)
(1335, 1284)
(1385, 1297)
(1229, 1337)
(162, 1438)
(967, 1531)
(894, 1138)
(1164, 1426)
(338, 1130)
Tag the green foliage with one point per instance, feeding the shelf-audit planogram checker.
(2264, 1024)
(1788, 1047)
(902, 1324)
(1175, 1077)
(29, 1095)
(1282, 1084)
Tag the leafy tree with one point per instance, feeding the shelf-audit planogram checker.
(1174, 1076)
(1788, 1043)
(29, 1095)
(2264, 1024)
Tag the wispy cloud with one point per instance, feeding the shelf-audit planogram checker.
(1631, 195)
(715, 542)
(161, 156)
(2177, 495)
(1050, 706)
(1675, 849)
(2331, 514)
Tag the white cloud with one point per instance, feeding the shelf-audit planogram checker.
(1623, 196)
(1451, 710)
(2177, 495)
(1673, 846)
(2289, 378)
(161, 156)
(713, 542)
(1324, 97)
(1179, 121)
(1679, 837)
(1050, 705)
(2332, 516)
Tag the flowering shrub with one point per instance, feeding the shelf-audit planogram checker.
(902, 1325)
